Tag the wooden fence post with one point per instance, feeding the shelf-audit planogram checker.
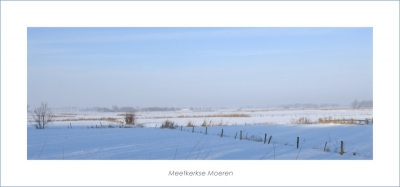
(341, 148)
(325, 146)
(240, 135)
(206, 130)
(181, 127)
(265, 138)
(297, 142)
(269, 139)
(222, 132)
(192, 129)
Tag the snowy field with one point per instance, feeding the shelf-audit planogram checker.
(266, 135)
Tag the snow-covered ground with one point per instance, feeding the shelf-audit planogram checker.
(255, 116)
(316, 141)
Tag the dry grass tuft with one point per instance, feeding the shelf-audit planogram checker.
(190, 124)
(216, 116)
(302, 120)
(93, 119)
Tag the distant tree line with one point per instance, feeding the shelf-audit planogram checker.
(160, 109)
(356, 104)
(308, 106)
(115, 108)
(361, 104)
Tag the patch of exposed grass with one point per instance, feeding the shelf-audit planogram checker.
(336, 120)
(92, 119)
(325, 120)
(216, 116)
(302, 120)
(63, 115)
(204, 116)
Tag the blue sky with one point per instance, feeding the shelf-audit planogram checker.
(198, 67)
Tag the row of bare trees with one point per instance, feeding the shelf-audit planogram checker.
(360, 104)
(43, 115)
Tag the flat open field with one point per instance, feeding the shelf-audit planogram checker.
(265, 134)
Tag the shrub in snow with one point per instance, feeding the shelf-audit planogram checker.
(204, 124)
(168, 124)
(302, 120)
(130, 118)
(190, 124)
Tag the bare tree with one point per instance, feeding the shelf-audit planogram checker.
(361, 104)
(115, 108)
(354, 104)
(357, 104)
(42, 116)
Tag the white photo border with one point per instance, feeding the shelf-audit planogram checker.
(382, 16)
